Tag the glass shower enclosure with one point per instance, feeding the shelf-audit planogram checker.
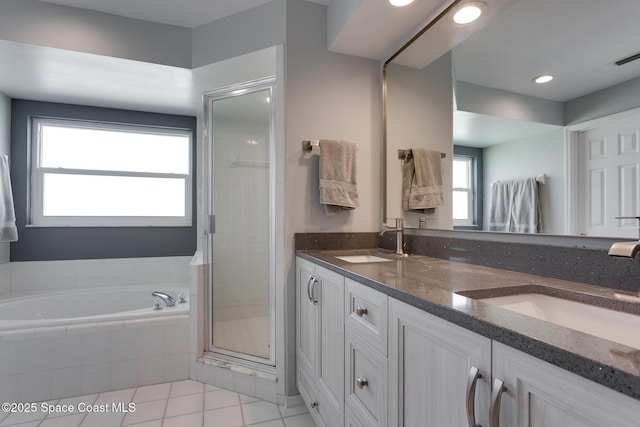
(241, 286)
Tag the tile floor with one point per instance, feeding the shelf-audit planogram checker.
(179, 404)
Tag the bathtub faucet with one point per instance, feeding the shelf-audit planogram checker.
(168, 299)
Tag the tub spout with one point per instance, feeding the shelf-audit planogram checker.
(168, 299)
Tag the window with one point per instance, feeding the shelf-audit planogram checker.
(467, 187)
(462, 190)
(101, 174)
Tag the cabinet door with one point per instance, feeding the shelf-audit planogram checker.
(306, 318)
(429, 365)
(329, 294)
(539, 394)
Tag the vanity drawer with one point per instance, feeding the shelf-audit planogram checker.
(366, 313)
(366, 384)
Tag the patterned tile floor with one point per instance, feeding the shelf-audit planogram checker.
(179, 404)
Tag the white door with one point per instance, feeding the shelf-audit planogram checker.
(609, 179)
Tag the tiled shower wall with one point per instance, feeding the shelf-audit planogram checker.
(48, 275)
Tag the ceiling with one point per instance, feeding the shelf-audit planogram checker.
(368, 28)
(183, 13)
(575, 40)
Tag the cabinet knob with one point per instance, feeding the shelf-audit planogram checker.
(361, 311)
(361, 382)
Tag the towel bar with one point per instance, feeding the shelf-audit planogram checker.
(541, 180)
(308, 145)
(402, 154)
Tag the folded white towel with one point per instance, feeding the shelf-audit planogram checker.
(8, 230)
(338, 188)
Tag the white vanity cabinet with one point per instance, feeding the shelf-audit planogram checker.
(368, 360)
(534, 393)
(430, 365)
(320, 341)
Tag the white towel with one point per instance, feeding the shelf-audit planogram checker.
(515, 207)
(338, 189)
(8, 230)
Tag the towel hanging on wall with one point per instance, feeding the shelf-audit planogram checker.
(8, 230)
(422, 179)
(515, 206)
(338, 188)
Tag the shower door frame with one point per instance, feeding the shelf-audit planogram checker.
(268, 83)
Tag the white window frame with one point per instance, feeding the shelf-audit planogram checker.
(36, 217)
(469, 190)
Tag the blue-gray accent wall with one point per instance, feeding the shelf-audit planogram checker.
(65, 243)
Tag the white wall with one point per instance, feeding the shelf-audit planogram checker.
(5, 132)
(530, 157)
(330, 96)
(249, 31)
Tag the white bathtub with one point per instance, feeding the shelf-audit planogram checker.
(75, 306)
(83, 341)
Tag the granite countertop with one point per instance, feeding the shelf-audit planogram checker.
(435, 286)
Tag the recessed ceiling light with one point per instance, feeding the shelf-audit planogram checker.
(545, 78)
(400, 3)
(468, 12)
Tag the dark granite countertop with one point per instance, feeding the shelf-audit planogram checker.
(434, 285)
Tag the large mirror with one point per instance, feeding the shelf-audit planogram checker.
(468, 93)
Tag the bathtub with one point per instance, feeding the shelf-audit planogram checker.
(81, 341)
(71, 307)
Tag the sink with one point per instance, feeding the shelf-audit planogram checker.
(612, 325)
(360, 259)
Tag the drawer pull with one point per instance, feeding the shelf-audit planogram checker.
(361, 311)
(474, 375)
(361, 382)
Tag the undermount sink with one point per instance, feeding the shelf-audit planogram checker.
(612, 325)
(361, 259)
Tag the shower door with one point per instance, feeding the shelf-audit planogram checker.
(241, 296)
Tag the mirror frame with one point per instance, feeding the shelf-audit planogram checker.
(587, 242)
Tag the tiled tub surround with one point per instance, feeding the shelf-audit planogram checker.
(90, 355)
(431, 284)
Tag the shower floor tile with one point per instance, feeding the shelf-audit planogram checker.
(181, 404)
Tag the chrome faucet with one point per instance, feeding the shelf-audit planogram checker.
(168, 299)
(626, 249)
(399, 230)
